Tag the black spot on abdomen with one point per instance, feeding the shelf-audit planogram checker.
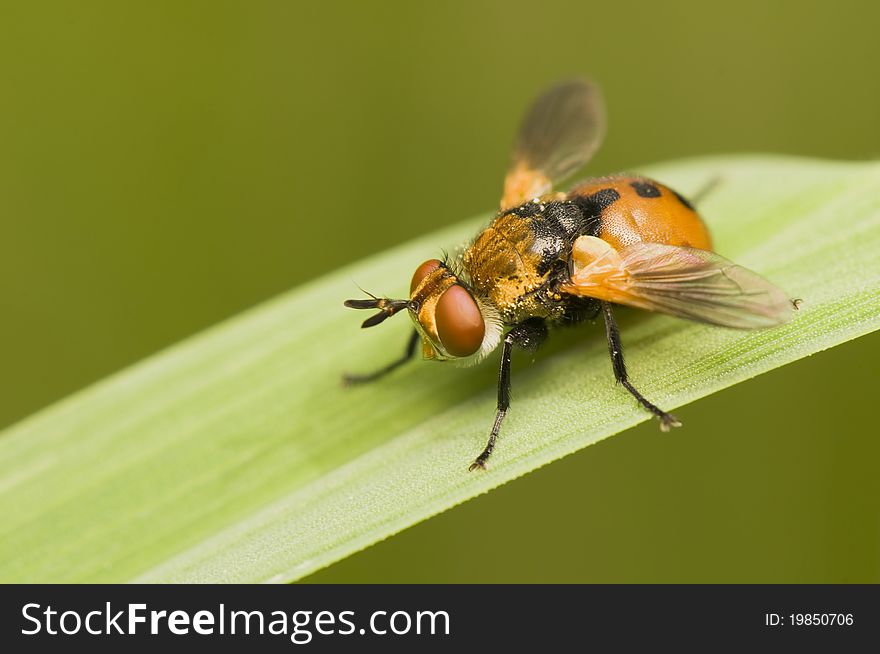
(596, 203)
(645, 189)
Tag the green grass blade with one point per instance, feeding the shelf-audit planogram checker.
(238, 456)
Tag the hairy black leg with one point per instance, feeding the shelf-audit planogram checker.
(408, 354)
(667, 420)
(527, 335)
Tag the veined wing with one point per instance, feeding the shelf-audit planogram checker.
(560, 133)
(685, 282)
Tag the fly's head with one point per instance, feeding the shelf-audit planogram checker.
(453, 323)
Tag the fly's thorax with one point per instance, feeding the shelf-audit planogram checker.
(453, 321)
(515, 260)
(502, 265)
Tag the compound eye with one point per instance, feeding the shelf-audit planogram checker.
(423, 271)
(460, 324)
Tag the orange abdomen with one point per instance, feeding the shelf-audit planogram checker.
(635, 209)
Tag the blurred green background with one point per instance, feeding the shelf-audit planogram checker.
(164, 165)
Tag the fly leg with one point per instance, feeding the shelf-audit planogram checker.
(528, 336)
(408, 354)
(708, 186)
(667, 420)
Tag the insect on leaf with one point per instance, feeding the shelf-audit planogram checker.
(237, 455)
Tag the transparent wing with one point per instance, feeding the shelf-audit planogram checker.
(684, 282)
(560, 133)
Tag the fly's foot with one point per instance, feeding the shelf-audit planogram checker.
(352, 380)
(668, 421)
(478, 464)
(480, 461)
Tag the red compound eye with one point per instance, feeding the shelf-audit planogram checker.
(460, 324)
(423, 271)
